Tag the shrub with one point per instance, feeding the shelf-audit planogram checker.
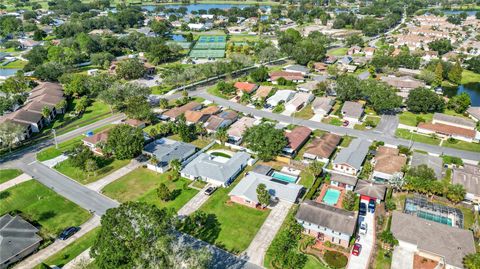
(335, 259)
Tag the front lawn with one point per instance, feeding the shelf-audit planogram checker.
(214, 91)
(107, 166)
(383, 259)
(410, 119)
(14, 65)
(238, 224)
(333, 121)
(38, 203)
(469, 77)
(306, 113)
(141, 185)
(73, 250)
(8, 174)
(406, 134)
(372, 119)
(458, 144)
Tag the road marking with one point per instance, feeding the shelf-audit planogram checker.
(32, 162)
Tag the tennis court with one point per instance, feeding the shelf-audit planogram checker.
(207, 53)
(208, 45)
(212, 38)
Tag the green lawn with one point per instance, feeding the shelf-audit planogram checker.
(337, 52)
(14, 65)
(363, 126)
(332, 121)
(306, 113)
(199, 142)
(458, 144)
(382, 261)
(470, 77)
(52, 152)
(238, 224)
(306, 179)
(313, 263)
(346, 140)
(42, 205)
(214, 91)
(73, 250)
(7, 174)
(239, 38)
(141, 184)
(406, 134)
(106, 167)
(410, 119)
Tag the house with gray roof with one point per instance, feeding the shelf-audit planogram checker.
(371, 191)
(352, 111)
(431, 240)
(433, 162)
(216, 170)
(474, 112)
(245, 192)
(350, 159)
(327, 223)
(469, 177)
(295, 68)
(343, 181)
(165, 150)
(440, 118)
(18, 239)
(322, 105)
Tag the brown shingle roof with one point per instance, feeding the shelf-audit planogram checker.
(297, 137)
(388, 161)
(324, 147)
(177, 111)
(447, 129)
(211, 110)
(263, 91)
(96, 138)
(193, 116)
(245, 86)
(25, 116)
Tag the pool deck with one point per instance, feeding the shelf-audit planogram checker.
(325, 187)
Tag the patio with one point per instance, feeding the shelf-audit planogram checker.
(324, 190)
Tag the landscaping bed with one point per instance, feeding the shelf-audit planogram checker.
(8, 174)
(106, 167)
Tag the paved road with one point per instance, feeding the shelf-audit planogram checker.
(368, 134)
(387, 125)
(367, 241)
(260, 243)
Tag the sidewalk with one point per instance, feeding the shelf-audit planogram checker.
(82, 259)
(101, 183)
(258, 247)
(58, 245)
(195, 203)
(15, 181)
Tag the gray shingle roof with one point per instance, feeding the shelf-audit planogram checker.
(262, 169)
(166, 150)
(247, 188)
(15, 236)
(371, 189)
(327, 216)
(297, 68)
(350, 180)
(206, 166)
(352, 109)
(434, 162)
(468, 177)
(449, 242)
(453, 119)
(354, 154)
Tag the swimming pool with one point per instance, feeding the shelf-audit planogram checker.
(284, 177)
(331, 196)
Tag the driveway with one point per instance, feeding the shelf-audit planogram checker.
(101, 183)
(195, 203)
(367, 241)
(387, 125)
(402, 258)
(255, 252)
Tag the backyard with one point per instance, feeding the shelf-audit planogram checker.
(106, 167)
(141, 185)
(199, 142)
(8, 174)
(337, 52)
(38, 204)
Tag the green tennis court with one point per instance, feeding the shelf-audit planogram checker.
(207, 53)
(212, 38)
(208, 45)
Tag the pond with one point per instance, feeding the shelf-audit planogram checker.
(197, 7)
(452, 12)
(7, 72)
(472, 89)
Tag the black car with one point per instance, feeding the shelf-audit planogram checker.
(371, 206)
(210, 190)
(68, 232)
(363, 209)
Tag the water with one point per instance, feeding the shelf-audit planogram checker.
(197, 7)
(7, 72)
(284, 177)
(178, 38)
(331, 197)
(452, 12)
(472, 89)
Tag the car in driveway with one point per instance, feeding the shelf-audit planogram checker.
(362, 211)
(371, 206)
(363, 228)
(210, 190)
(357, 248)
(67, 233)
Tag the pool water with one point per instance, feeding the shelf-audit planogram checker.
(284, 177)
(436, 218)
(331, 197)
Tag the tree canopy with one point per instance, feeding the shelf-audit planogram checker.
(265, 140)
(422, 100)
(125, 141)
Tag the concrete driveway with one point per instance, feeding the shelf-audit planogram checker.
(195, 203)
(255, 252)
(367, 241)
(402, 258)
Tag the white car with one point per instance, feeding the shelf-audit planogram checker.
(363, 228)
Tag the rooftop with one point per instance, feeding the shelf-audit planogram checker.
(240, 126)
(354, 154)
(468, 177)
(447, 129)
(371, 189)
(454, 120)
(352, 109)
(166, 150)
(434, 162)
(297, 137)
(324, 146)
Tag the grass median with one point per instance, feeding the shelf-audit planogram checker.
(8, 174)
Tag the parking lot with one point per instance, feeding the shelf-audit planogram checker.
(367, 241)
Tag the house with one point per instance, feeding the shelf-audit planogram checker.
(18, 239)
(295, 68)
(440, 118)
(354, 50)
(245, 192)
(321, 149)
(281, 96)
(176, 112)
(350, 159)
(245, 87)
(308, 86)
(236, 130)
(370, 191)
(299, 101)
(165, 150)
(96, 141)
(327, 223)
(27, 129)
(223, 119)
(430, 55)
(319, 78)
(296, 139)
(474, 113)
(404, 83)
(364, 75)
(433, 162)
(450, 126)
(322, 105)
(469, 177)
(330, 59)
(346, 60)
(216, 170)
(195, 116)
(430, 240)
(343, 181)
(369, 51)
(352, 111)
(262, 92)
(135, 123)
(34, 119)
(388, 164)
(290, 76)
(320, 67)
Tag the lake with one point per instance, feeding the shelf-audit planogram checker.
(197, 7)
(472, 89)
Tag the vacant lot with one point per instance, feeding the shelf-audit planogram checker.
(7, 174)
(141, 185)
(39, 204)
(107, 166)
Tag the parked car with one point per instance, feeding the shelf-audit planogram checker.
(363, 228)
(67, 233)
(371, 206)
(345, 123)
(357, 248)
(362, 210)
(210, 190)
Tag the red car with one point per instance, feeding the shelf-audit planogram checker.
(357, 248)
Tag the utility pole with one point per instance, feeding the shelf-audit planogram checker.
(55, 137)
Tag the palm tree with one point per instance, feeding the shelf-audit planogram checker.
(46, 113)
(222, 135)
(315, 168)
(62, 106)
(175, 165)
(163, 103)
